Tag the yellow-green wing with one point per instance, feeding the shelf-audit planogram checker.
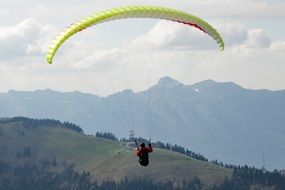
(133, 12)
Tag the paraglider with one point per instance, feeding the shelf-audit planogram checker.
(133, 12)
(142, 153)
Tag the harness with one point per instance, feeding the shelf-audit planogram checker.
(144, 158)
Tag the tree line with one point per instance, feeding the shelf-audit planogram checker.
(167, 146)
(36, 176)
(39, 176)
(248, 178)
(158, 144)
(34, 123)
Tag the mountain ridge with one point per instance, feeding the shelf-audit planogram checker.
(220, 120)
(164, 81)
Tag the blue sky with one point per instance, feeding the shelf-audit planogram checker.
(135, 53)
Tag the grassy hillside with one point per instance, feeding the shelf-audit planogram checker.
(104, 159)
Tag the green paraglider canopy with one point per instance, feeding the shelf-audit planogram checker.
(133, 12)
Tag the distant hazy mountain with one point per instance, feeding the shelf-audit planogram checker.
(219, 120)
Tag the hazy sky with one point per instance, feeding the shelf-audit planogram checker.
(135, 53)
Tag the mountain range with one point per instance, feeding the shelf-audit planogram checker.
(222, 121)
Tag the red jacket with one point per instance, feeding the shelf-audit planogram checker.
(143, 149)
